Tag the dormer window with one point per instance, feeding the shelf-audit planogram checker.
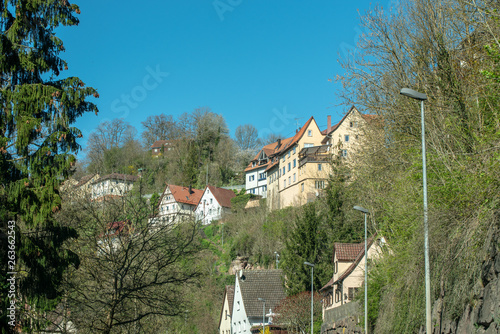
(253, 164)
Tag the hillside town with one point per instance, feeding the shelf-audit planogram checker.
(379, 213)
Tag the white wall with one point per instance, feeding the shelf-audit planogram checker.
(254, 184)
(209, 208)
(170, 211)
(111, 187)
(240, 323)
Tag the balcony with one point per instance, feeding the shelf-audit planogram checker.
(314, 154)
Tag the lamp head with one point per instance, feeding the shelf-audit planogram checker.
(413, 94)
(360, 208)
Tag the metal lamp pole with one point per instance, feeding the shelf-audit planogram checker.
(422, 97)
(366, 213)
(312, 293)
(277, 257)
(263, 315)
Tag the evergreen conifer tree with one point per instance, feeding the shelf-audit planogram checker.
(307, 243)
(37, 143)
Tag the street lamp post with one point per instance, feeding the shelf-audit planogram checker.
(422, 97)
(277, 257)
(312, 293)
(366, 212)
(263, 315)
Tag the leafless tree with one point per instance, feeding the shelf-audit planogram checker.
(247, 138)
(130, 270)
(108, 135)
(159, 127)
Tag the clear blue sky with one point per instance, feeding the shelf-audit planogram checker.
(253, 61)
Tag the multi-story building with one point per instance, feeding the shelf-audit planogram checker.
(345, 135)
(83, 188)
(214, 204)
(112, 185)
(255, 173)
(176, 204)
(299, 168)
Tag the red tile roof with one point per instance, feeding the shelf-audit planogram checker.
(298, 135)
(116, 228)
(270, 150)
(223, 196)
(182, 195)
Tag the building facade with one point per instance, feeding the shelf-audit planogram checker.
(250, 285)
(227, 309)
(214, 204)
(349, 270)
(177, 204)
(112, 185)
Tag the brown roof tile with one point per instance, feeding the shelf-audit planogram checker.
(160, 143)
(84, 180)
(230, 297)
(347, 252)
(223, 196)
(266, 284)
(229, 294)
(270, 150)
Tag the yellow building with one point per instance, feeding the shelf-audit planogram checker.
(346, 134)
(299, 169)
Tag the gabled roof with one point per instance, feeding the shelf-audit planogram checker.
(116, 228)
(229, 295)
(299, 134)
(182, 194)
(271, 165)
(366, 117)
(161, 143)
(270, 150)
(348, 252)
(117, 176)
(223, 196)
(266, 284)
(84, 180)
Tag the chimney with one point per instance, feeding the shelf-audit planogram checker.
(329, 123)
(190, 190)
(279, 142)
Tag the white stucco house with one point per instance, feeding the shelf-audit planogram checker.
(112, 185)
(214, 204)
(256, 174)
(177, 203)
(249, 286)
